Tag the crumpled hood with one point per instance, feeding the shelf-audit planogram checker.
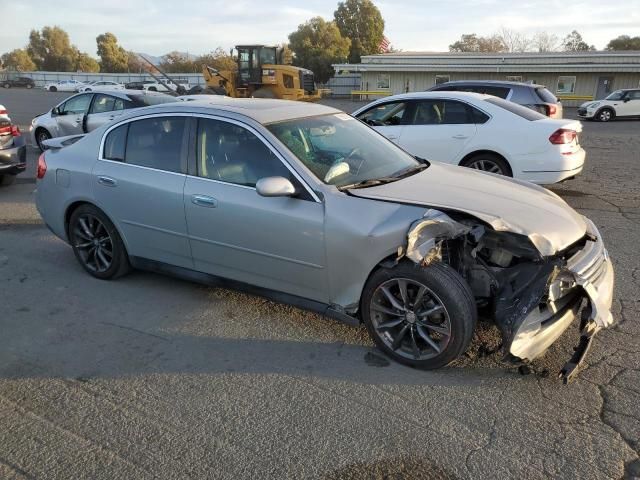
(506, 204)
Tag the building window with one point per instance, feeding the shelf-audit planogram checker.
(566, 85)
(514, 78)
(384, 81)
(442, 79)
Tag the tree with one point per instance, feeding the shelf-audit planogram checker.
(624, 42)
(19, 60)
(473, 43)
(134, 64)
(219, 59)
(178, 62)
(545, 42)
(51, 50)
(86, 63)
(316, 45)
(362, 23)
(574, 43)
(513, 41)
(113, 58)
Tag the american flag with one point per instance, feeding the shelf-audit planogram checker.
(384, 45)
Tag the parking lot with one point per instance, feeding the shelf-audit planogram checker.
(153, 377)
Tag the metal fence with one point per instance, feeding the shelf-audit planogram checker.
(41, 78)
(342, 85)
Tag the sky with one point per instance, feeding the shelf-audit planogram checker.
(199, 26)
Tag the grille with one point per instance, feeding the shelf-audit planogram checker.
(590, 262)
(307, 81)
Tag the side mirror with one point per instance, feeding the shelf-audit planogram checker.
(626, 99)
(275, 187)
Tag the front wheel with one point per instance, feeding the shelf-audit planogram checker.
(419, 316)
(53, 89)
(97, 244)
(488, 162)
(7, 85)
(41, 136)
(605, 115)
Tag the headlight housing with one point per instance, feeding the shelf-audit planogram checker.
(593, 105)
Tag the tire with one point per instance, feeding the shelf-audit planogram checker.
(53, 89)
(446, 314)
(97, 244)
(488, 162)
(153, 89)
(7, 85)
(263, 93)
(6, 180)
(87, 90)
(42, 135)
(605, 115)
(29, 86)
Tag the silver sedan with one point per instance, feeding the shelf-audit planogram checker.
(85, 112)
(307, 205)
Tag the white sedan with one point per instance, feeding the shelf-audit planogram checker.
(100, 85)
(479, 131)
(63, 86)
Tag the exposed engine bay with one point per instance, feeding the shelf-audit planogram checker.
(532, 298)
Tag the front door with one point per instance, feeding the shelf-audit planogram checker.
(438, 129)
(630, 104)
(104, 109)
(139, 181)
(275, 243)
(387, 118)
(70, 115)
(604, 88)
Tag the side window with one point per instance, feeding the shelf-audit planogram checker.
(634, 95)
(115, 143)
(287, 80)
(118, 104)
(79, 104)
(478, 115)
(230, 153)
(157, 143)
(102, 103)
(441, 112)
(385, 114)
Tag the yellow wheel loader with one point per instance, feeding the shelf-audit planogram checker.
(262, 73)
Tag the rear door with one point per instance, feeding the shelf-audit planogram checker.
(139, 182)
(388, 118)
(438, 129)
(70, 116)
(104, 109)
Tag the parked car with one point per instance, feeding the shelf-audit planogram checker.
(3, 112)
(304, 204)
(13, 151)
(101, 85)
(530, 95)
(480, 131)
(138, 85)
(85, 112)
(619, 104)
(25, 82)
(63, 86)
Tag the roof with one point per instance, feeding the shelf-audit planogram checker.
(259, 109)
(491, 82)
(590, 53)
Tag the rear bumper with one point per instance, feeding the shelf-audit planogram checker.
(553, 168)
(13, 160)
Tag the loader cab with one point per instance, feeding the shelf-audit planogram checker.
(250, 61)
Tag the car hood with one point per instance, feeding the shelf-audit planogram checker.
(504, 203)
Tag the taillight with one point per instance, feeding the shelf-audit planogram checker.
(15, 131)
(563, 136)
(3, 112)
(551, 110)
(42, 166)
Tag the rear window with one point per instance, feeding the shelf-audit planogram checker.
(546, 96)
(516, 109)
(148, 100)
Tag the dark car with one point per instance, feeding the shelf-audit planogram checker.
(13, 152)
(19, 82)
(138, 85)
(530, 95)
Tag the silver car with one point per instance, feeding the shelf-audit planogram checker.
(85, 112)
(306, 205)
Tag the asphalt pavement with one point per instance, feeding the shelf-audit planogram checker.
(153, 377)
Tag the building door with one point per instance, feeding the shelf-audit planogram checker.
(605, 85)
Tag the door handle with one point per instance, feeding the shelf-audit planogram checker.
(204, 201)
(107, 181)
(460, 137)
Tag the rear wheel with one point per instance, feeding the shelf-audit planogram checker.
(605, 115)
(488, 162)
(97, 244)
(53, 89)
(419, 316)
(263, 93)
(7, 85)
(41, 136)
(6, 180)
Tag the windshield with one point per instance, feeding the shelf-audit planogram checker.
(341, 150)
(617, 95)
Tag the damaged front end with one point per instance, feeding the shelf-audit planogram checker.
(533, 298)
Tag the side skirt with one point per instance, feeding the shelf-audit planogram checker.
(215, 281)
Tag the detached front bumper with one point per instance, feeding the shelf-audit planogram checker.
(588, 275)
